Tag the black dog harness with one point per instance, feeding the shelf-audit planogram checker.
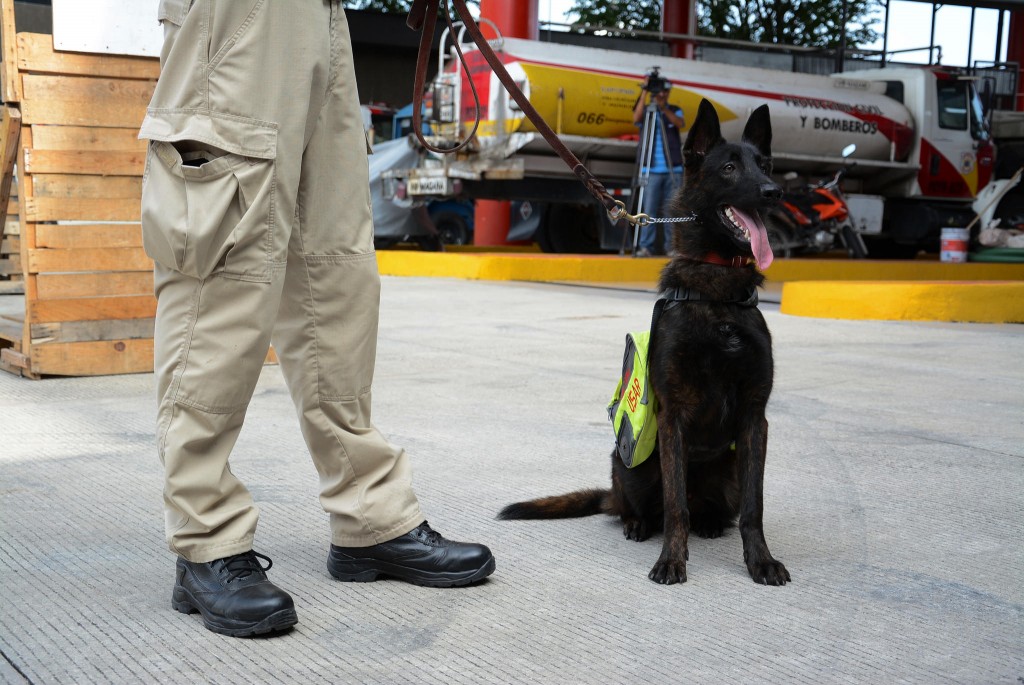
(667, 299)
(673, 296)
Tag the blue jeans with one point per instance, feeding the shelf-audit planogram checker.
(660, 188)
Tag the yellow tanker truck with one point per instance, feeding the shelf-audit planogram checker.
(923, 150)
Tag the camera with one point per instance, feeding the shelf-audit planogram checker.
(655, 83)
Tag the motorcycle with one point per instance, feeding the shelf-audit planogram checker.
(815, 220)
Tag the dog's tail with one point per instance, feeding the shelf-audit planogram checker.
(569, 505)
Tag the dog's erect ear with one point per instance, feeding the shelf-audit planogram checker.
(705, 133)
(758, 131)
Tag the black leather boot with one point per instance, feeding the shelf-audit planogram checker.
(421, 556)
(233, 595)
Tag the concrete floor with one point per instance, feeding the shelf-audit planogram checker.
(893, 495)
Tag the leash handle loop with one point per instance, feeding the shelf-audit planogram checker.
(421, 17)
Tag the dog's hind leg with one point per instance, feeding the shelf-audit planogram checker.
(636, 497)
(751, 449)
(633, 525)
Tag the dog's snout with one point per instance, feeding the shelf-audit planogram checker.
(771, 192)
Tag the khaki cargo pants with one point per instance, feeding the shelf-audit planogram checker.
(256, 211)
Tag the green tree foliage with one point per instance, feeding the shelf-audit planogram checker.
(379, 5)
(816, 23)
(397, 6)
(625, 15)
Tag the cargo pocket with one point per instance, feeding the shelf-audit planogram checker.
(173, 11)
(207, 202)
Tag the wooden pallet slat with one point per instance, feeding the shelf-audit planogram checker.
(84, 162)
(42, 260)
(84, 101)
(88, 235)
(10, 331)
(10, 79)
(13, 361)
(101, 284)
(36, 54)
(82, 209)
(86, 331)
(10, 245)
(93, 309)
(101, 138)
(95, 358)
(83, 186)
(10, 135)
(28, 240)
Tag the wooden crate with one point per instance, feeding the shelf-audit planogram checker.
(11, 279)
(88, 302)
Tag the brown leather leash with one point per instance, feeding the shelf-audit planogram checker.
(421, 18)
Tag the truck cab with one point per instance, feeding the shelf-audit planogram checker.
(952, 150)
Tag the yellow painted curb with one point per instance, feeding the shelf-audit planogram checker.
(521, 267)
(504, 266)
(788, 270)
(975, 301)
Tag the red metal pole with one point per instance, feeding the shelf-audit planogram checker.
(515, 19)
(1015, 52)
(679, 16)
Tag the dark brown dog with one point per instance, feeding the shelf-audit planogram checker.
(711, 367)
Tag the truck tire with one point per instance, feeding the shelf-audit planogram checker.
(1009, 159)
(569, 229)
(430, 243)
(452, 228)
(1010, 210)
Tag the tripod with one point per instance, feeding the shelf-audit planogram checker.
(642, 172)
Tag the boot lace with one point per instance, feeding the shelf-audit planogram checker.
(242, 565)
(428, 534)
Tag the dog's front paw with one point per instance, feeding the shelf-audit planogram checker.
(636, 530)
(769, 572)
(668, 572)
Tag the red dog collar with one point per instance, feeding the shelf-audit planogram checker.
(737, 261)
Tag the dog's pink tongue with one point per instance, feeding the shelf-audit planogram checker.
(758, 238)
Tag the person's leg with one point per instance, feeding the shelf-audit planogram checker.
(645, 245)
(227, 125)
(326, 340)
(654, 200)
(672, 184)
(326, 335)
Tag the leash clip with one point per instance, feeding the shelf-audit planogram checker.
(619, 212)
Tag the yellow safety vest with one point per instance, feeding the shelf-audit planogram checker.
(634, 408)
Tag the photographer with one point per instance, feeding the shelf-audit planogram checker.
(664, 171)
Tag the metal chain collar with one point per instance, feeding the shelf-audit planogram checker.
(643, 219)
(619, 212)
